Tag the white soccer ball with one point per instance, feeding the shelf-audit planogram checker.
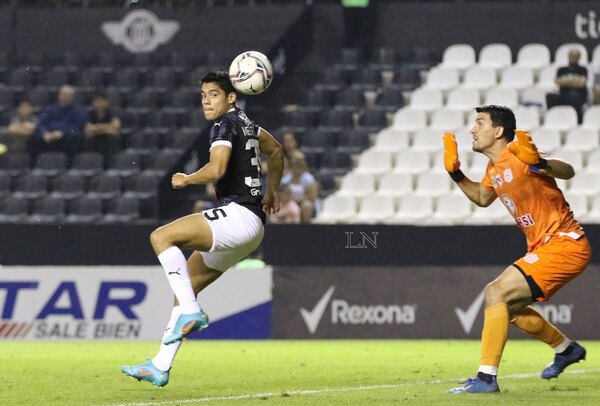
(251, 72)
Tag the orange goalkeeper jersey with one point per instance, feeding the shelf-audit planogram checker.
(534, 200)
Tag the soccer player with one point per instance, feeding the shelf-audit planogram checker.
(221, 236)
(557, 248)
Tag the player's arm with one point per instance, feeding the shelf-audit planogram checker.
(274, 152)
(524, 149)
(473, 190)
(211, 172)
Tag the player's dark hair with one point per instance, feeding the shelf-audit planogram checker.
(501, 116)
(221, 78)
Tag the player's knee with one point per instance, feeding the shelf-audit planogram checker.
(157, 238)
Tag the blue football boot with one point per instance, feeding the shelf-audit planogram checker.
(562, 361)
(476, 385)
(147, 372)
(187, 323)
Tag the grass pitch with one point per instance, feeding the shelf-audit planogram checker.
(336, 372)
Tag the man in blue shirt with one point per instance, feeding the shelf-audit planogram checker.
(60, 126)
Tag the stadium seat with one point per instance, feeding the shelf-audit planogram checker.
(7, 100)
(178, 142)
(104, 186)
(561, 55)
(561, 118)
(141, 186)
(442, 78)
(328, 184)
(366, 79)
(14, 209)
(159, 164)
(593, 162)
(547, 78)
(406, 78)
(388, 100)
(432, 184)
(50, 164)
(142, 143)
(534, 97)
(546, 140)
(357, 185)
(374, 162)
(395, 184)
(317, 100)
(408, 119)
(53, 78)
(333, 80)
(383, 58)
(353, 141)
(447, 120)
(391, 140)
(39, 97)
(68, 186)
(411, 161)
(5, 185)
(86, 209)
(90, 80)
(495, 56)
(124, 209)
(49, 209)
(459, 56)
(31, 186)
(87, 164)
(412, 209)
(585, 184)
(508, 97)
(516, 77)
(127, 80)
(582, 139)
(336, 120)
(164, 79)
(349, 99)
(429, 140)
(124, 164)
(371, 121)
(336, 163)
(534, 56)
(144, 101)
(591, 118)
(374, 209)
(426, 99)
(479, 78)
(455, 208)
(318, 141)
(593, 215)
(578, 204)
(437, 162)
(336, 209)
(463, 99)
(575, 158)
(15, 164)
(528, 118)
(20, 80)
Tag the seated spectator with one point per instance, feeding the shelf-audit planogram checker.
(572, 81)
(102, 127)
(290, 147)
(304, 188)
(289, 212)
(596, 83)
(21, 127)
(60, 126)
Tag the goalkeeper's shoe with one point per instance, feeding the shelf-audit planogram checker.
(476, 385)
(562, 361)
(186, 324)
(147, 372)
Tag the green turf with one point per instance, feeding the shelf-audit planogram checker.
(340, 372)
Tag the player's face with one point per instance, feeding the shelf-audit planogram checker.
(215, 103)
(484, 133)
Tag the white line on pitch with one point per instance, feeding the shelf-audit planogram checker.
(333, 390)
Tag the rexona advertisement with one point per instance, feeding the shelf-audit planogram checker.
(120, 303)
(411, 302)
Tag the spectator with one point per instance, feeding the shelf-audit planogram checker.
(21, 127)
(290, 147)
(102, 127)
(304, 189)
(596, 82)
(289, 212)
(60, 126)
(572, 81)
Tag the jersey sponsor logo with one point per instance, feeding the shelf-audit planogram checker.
(140, 31)
(244, 118)
(508, 175)
(531, 258)
(510, 205)
(255, 192)
(525, 220)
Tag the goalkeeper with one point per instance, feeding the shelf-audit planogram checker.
(557, 248)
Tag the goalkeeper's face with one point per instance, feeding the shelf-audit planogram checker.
(484, 133)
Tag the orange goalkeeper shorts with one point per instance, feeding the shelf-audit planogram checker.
(550, 266)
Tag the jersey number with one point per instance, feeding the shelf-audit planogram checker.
(253, 143)
(215, 214)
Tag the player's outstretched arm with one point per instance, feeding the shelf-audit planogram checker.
(524, 149)
(473, 190)
(211, 172)
(274, 152)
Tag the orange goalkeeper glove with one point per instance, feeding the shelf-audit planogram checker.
(524, 149)
(451, 162)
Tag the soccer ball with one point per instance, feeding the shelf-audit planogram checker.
(251, 72)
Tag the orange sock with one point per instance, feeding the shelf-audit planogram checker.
(533, 323)
(494, 335)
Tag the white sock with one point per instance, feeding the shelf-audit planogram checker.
(562, 346)
(488, 369)
(166, 353)
(175, 266)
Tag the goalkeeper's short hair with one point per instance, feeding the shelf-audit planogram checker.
(501, 116)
